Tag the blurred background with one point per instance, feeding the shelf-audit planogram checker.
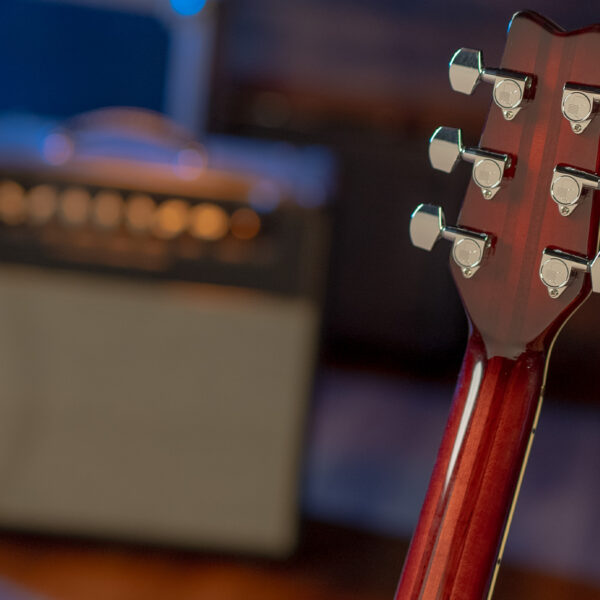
(224, 370)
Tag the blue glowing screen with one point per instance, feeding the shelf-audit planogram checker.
(61, 59)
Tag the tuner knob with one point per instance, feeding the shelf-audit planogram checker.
(558, 268)
(446, 149)
(579, 102)
(511, 88)
(428, 225)
(569, 185)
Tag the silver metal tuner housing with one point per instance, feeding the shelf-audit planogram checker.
(579, 103)
(446, 149)
(510, 88)
(569, 185)
(428, 225)
(557, 269)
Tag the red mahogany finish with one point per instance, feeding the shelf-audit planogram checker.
(474, 480)
(513, 321)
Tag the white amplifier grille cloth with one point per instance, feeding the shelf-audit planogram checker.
(151, 411)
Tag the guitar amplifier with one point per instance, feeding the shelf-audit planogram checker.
(159, 316)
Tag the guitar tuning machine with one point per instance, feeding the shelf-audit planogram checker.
(511, 88)
(428, 225)
(579, 102)
(569, 185)
(558, 268)
(446, 149)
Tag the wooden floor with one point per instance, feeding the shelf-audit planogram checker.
(331, 564)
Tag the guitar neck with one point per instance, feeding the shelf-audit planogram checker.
(459, 539)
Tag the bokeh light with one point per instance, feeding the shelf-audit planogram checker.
(209, 222)
(171, 219)
(245, 224)
(108, 209)
(139, 212)
(75, 205)
(42, 201)
(12, 205)
(57, 148)
(188, 8)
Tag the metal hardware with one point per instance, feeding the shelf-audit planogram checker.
(569, 185)
(428, 225)
(579, 102)
(510, 87)
(446, 149)
(558, 268)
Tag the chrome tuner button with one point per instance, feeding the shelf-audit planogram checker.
(428, 225)
(508, 94)
(579, 103)
(555, 275)
(467, 254)
(569, 186)
(577, 107)
(446, 149)
(487, 174)
(511, 88)
(557, 269)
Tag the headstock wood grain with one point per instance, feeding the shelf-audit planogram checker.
(514, 316)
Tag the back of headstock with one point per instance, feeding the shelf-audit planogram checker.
(523, 259)
(529, 213)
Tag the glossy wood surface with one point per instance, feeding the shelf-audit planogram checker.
(513, 320)
(456, 543)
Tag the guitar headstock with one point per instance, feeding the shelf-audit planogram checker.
(524, 247)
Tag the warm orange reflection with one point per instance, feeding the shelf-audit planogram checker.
(245, 224)
(139, 212)
(209, 222)
(42, 202)
(171, 219)
(75, 205)
(108, 209)
(12, 202)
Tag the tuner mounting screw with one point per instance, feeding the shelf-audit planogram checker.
(577, 127)
(564, 211)
(509, 114)
(467, 273)
(487, 194)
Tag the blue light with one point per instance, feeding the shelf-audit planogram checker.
(188, 7)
